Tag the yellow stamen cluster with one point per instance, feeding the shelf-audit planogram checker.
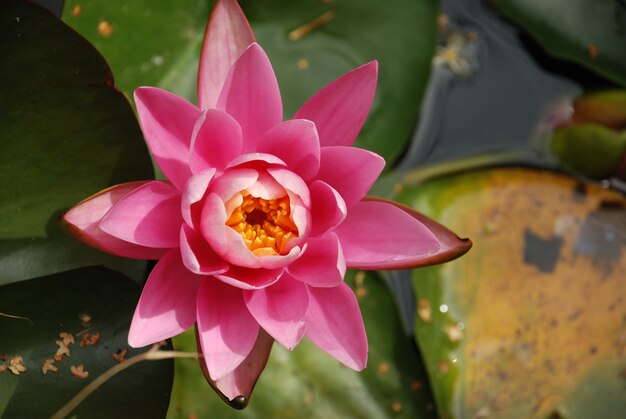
(265, 225)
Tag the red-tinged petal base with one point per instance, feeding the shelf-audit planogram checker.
(236, 387)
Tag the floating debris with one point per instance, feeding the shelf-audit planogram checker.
(307, 28)
(48, 365)
(79, 371)
(89, 339)
(105, 29)
(120, 356)
(16, 365)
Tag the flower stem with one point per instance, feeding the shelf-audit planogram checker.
(153, 354)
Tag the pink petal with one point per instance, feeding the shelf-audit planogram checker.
(167, 122)
(450, 246)
(226, 36)
(380, 235)
(256, 160)
(334, 323)
(291, 182)
(296, 143)
(280, 310)
(266, 188)
(321, 264)
(167, 305)
(216, 140)
(197, 255)
(227, 330)
(328, 209)
(236, 387)
(213, 224)
(233, 181)
(82, 222)
(147, 216)
(339, 109)
(251, 96)
(250, 279)
(195, 189)
(350, 171)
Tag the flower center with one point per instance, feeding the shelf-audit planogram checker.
(264, 224)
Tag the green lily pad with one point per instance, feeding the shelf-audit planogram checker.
(589, 32)
(310, 383)
(530, 323)
(400, 34)
(55, 304)
(67, 133)
(592, 150)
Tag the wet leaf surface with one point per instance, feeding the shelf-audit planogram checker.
(532, 321)
(95, 306)
(67, 133)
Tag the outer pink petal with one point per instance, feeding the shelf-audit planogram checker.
(251, 96)
(82, 222)
(148, 216)
(197, 255)
(350, 171)
(449, 245)
(226, 36)
(227, 330)
(379, 235)
(297, 144)
(328, 209)
(321, 264)
(167, 122)
(236, 387)
(250, 279)
(216, 140)
(334, 323)
(280, 310)
(339, 109)
(195, 189)
(167, 305)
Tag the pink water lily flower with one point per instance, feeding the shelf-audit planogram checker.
(259, 217)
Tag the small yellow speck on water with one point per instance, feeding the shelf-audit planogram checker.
(3, 368)
(416, 385)
(454, 333)
(48, 365)
(16, 365)
(308, 398)
(303, 64)
(307, 28)
(593, 51)
(192, 416)
(423, 310)
(85, 319)
(397, 188)
(473, 36)
(105, 29)
(383, 368)
(120, 356)
(396, 407)
(76, 10)
(359, 278)
(442, 22)
(361, 292)
(79, 371)
(443, 366)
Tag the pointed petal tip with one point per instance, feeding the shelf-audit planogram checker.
(451, 246)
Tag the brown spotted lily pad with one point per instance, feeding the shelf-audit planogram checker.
(532, 321)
